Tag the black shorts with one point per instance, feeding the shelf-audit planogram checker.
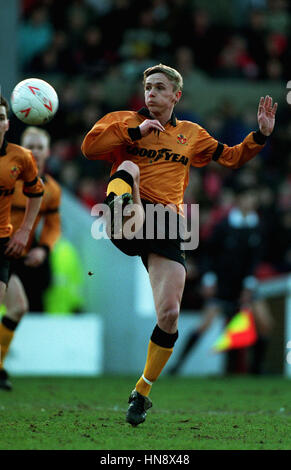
(17, 266)
(168, 247)
(4, 261)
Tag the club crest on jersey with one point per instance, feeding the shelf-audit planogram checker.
(14, 172)
(181, 139)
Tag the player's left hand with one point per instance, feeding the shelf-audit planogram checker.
(266, 115)
(17, 243)
(35, 257)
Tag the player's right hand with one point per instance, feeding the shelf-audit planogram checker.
(17, 243)
(148, 125)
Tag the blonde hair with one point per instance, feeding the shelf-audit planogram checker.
(31, 130)
(172, 74)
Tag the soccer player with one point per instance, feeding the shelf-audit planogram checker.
(15, 163)
(36, 252)
(152, 152)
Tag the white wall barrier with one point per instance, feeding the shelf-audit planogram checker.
(57, 345)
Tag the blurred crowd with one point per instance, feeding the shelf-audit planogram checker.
(94, 53)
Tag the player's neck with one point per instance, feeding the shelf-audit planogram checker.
(163, 117)
(1, 140)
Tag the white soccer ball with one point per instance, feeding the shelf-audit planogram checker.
(34, 101)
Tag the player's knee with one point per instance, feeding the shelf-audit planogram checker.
(168, 317)
(131, 168)
(20, 309)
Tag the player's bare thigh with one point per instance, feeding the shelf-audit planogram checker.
(15, 299)
(167, 279)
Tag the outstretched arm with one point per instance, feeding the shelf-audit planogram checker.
(208, 148)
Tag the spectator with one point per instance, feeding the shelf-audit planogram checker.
(203, 37)
(35, 35)
(142, 43)
(92, 53)
(192, 76)
(255, 32)
(234, 61)
(278, 19)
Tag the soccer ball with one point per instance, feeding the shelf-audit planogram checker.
(34, 101)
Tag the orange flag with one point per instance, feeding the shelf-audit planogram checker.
(240, 332)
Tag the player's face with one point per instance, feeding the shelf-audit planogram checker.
(38, 145)
(159, 93)
(4, 123)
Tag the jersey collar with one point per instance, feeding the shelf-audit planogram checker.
(145, 112)
(3, 148)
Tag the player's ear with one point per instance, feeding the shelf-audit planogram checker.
(178, 96)
(7, 125)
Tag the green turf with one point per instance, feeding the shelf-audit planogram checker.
(188, 413)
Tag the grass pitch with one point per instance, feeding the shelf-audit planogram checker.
(236, 413)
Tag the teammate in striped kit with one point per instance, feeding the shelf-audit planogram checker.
(35, 253)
